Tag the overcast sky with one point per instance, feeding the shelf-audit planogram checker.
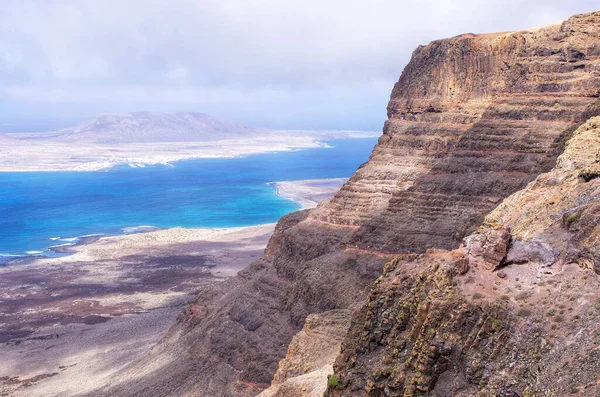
(275, 63)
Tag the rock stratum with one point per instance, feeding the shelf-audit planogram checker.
(503, 315)
(490, 244)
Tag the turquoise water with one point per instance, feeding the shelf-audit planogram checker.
(41, 209)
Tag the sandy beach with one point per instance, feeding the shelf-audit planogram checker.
(69, 323)
(308, 193)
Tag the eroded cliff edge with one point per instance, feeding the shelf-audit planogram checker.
(472, 120)
(513, 312)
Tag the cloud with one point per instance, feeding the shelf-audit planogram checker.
(226, 55)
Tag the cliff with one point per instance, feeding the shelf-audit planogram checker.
(445, 324)
(472, 120)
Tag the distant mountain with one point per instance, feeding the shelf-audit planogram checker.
(140, 127)
(4, 137)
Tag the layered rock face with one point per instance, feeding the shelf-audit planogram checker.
(444, 324)
(472, 120)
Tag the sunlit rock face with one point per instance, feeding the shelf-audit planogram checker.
(472, 119)
(502, 315)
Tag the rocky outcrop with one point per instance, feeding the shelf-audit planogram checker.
(487, 247)
(417, 335)
(433, 326)
(310, 356)
(472, 120)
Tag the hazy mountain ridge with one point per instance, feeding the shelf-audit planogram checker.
(5, 137)
(155, 127)
(143, 127)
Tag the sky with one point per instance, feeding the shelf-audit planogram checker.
(297, 64)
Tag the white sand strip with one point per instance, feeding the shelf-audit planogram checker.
(308, 193)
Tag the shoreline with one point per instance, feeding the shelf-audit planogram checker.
(94, 165)
(66, 319)
(308, 192)
(50, 156)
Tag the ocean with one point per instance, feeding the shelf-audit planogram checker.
(43, 209)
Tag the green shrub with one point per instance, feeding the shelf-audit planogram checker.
(333, 381)
(524, 312)
(497, 325)
(573, 218)
(522, 296)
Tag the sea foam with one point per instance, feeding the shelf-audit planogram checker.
(138, 229)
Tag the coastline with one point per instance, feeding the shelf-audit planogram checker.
(90, 158)
(308, 192)
(20, 155)
(66, 319)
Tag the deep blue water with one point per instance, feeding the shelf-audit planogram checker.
(36, 207)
